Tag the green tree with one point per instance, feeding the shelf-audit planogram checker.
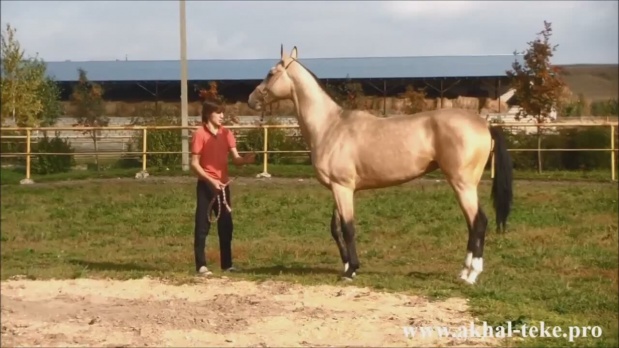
(87, 97)
(538, 85)
(29, 97)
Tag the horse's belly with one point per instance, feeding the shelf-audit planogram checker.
(392, 170)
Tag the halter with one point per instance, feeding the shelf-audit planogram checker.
(263, 92)
(216, 198)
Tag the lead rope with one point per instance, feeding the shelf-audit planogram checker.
(216, 198)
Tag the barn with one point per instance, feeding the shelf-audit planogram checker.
(482, 76)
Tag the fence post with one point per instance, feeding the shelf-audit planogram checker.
(27, 180)
(612, 153)
(265, 173)
(143, 174)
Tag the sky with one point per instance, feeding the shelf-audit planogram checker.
(586, 31)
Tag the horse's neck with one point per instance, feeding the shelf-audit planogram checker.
(316, 111)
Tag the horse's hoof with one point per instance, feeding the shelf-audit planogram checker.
(467, 280)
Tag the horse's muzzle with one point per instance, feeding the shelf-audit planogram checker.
(253, 102)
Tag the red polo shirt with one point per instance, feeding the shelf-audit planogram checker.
(213, 150)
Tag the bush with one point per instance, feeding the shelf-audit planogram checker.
(51, 164)
(582, 107)
(416, 98)
(570, 138)
(605, 108)
(279, 140)
(10, 145)
(159, 140)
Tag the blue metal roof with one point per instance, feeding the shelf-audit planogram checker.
(256, 69)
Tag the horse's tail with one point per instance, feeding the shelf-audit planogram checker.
(502, 193)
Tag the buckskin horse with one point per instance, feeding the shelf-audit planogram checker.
(353, 150)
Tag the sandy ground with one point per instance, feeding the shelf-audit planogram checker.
(218, 312)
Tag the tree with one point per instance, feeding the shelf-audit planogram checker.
(87, 97)
(538, 85)
(416, 98)
(29, 97)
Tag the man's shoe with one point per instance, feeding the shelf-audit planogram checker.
(204, 272)
(231, 269)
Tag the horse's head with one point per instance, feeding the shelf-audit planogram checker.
(277, 85)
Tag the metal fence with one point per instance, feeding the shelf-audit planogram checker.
(28, 134)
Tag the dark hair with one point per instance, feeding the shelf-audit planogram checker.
(209, 107)
(210, 103)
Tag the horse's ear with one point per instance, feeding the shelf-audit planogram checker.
(293, 53)
(281, 51)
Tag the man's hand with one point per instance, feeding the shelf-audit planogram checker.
(240, 160)
(249, 158)
(216, 184)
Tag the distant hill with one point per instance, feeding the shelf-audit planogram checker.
(594, 81)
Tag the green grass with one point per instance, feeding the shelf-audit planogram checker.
(12, 176)
(557, 263)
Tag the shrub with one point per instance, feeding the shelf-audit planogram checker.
(279, 140)
(608, 107)
(575, 108)
(570, 138)
(11, 145)
(416, 99)
(50, 164)
(586, 138)
(159, 140)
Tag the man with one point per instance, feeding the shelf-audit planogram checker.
(210, 145)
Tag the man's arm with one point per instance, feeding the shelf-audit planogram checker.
(196, 168)
(238, 160)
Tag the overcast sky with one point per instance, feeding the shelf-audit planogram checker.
(586, 31)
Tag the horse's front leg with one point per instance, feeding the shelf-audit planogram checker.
(336, 232)
(344, 202)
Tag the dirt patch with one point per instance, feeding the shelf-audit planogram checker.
(218, 312)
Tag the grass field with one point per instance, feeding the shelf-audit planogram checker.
(558, 263)
(12, 176)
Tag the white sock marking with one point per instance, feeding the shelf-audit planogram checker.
(477, 266)
(468, 260)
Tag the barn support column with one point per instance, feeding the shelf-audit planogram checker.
(441, 90)
(496, 92)
(384, 92)
(155, 93)
(384, 97)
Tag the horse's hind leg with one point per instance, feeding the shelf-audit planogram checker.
(336, 225)
(477, 222)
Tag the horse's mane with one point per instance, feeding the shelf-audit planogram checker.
(322, 86)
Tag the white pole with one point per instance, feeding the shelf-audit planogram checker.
(184, 116)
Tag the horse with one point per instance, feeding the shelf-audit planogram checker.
(353, 150)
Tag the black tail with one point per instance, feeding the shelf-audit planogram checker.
(502, 182)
